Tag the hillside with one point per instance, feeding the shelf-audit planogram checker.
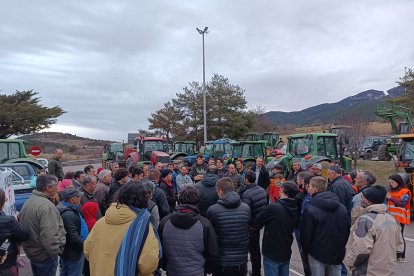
(361, 105)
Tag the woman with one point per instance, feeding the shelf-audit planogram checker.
(115, 241)
(13, 231)
(398, 202)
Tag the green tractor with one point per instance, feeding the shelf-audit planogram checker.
(114, 152)
(13, 151)
(248, 151)
(310, 148)
(253, 136)
(182, 149)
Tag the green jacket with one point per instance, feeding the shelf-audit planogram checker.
(47, 234)
(55, 167)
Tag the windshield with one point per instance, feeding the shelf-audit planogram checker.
(326, 146)
(367, 143)
(300, 146)
(407, 153)
(217, 149)
(153, 145)
(182, 147)
(116, 147)
(9, 151)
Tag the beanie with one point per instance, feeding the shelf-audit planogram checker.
(165, 172)
(375, 194)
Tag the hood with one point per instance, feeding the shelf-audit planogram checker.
(209, 180)
(119, 214)
(377, 208)
(185, 216)
(230, 200)
(326, 201)
(290, 205)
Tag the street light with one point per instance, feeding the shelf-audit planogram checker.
(203, 32)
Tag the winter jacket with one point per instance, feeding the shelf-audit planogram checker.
(230, 218)
(102, 245)
(264, 178)
(88, 197)
(189, 243)
(325, 228)
(256, 198)
(47, 235)
(374, 242)
(343, 190)
(280, 220)
(170, 193)
(101, 194)
(183, 181)
(221, 172)
(293, 176)
(89, 212)
(114, 191)
(72, 222)
(206, 189)
(14, 231)
(55, 167)
(198, 170)
(160, 199)
(237, 181)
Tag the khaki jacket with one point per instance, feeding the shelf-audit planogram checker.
(103, 242)
(373, 243)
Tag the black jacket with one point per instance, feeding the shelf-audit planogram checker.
(15, 232)
(293, 176)
(343, 190)
(189, 242)
(230, 218)
(72, 223)
(160, 199)
(170, 194)
(264, 177)
(206, 189)
(113, 192)
(280, 220)
(256, 198)
(325, 228)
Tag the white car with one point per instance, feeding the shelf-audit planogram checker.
(43, 162)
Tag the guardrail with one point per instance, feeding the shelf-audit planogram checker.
(81, 162)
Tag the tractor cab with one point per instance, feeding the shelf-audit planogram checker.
(248, 151)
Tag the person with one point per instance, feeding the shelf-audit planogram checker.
(55, 166)
(145, 169)
(14, 232)
(167, 186)
(65, 183)
(324, 230)
(240, 167)
(88, 187)
(159, 166)
(279, 220)
(159, 196)
(399, 205)
(189, 240)
(124, 242)
(72, 259)
(121, 178)
(206, 189)
(341, 187)
(183, 179)
(137, 174)
(262, 175)
(102, 190)
(77, 178)
(230, 218)
(198, 169)
(317, 169)
(304, 205)
(235, 177)
(363, 180)
(90, 170)
(114, 168)
(296, 169)
(274, 187)
(256, 198)
(47, 236)
(221, 169)
(375, 237)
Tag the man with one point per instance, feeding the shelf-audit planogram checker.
(236, 178)
(375, 237)
(90, 170)
(47, 234)
(167, 186)
(211, 161)
(280, 220)
(77, 178)
(159, 166)
(102, 190)
(256, 198)
(206, 189)
(324, 230)
(189, 240)
(198, 169)
(72, 259)
(183, 179)
(159, 196)
(296, 169)
(341, 187)
(136, 174)
(262, 175)
(317, 169)
(55, 166)
(240, 167)
(230, 218)
(363, 180)
(114, 168)
(121, 178)
(88, 187)
(145, 169)
(221, 169)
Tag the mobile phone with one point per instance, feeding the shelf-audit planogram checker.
(4, 246)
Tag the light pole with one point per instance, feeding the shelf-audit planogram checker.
(203, 32)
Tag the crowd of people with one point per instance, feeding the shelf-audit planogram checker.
(207, 219)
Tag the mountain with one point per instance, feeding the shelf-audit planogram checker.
(361, 105)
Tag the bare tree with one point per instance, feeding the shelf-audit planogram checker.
(261, 122)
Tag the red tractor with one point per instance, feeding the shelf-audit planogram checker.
(147, 150)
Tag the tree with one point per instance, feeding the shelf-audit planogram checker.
(406, 99)
(261, 122)
(168, 120)
(21, 113)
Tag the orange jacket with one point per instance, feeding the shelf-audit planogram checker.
(401, 214)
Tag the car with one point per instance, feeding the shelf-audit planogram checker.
(24, 179)
(369, 147)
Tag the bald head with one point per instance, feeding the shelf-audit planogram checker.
(58, 154)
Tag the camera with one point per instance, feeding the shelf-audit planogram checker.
(3, 248)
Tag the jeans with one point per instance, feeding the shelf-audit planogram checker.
(45, 268)
(254, 250)
(273, 268)
(238, 270)
(319, 268)
(71, 267)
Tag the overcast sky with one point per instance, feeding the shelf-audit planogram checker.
(109, 64)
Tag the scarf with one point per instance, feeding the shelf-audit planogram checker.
(133, 242)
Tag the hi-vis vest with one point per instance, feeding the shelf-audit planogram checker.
(401, 214)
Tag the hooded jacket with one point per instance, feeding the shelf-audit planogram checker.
(101, 194)
(206, 189)
(256, 198)
(189, 242)
(374, 242)
(280, 220)
(160, 199)
(103, 242)
(325, 228)
(230, 218)
(72, 222)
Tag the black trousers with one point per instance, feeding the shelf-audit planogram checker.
(402, 255)
(254, 250)
(239, 270)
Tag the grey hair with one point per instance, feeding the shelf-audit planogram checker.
(147, 185)
(44, 181)
(88, 179)
(104, 173)
(369, 178)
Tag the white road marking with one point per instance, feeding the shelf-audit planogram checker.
(295, 272)
(409, 239)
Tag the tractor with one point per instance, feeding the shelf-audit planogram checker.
(217, 148)
(182, 149)
(114, 152)
(249, 151)
(13, 151)
(147, 150)
(253, 136)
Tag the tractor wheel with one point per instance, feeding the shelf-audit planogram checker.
(368, 155)
(383, 153)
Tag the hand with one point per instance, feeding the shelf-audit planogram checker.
(388, 196)
(3, 258)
